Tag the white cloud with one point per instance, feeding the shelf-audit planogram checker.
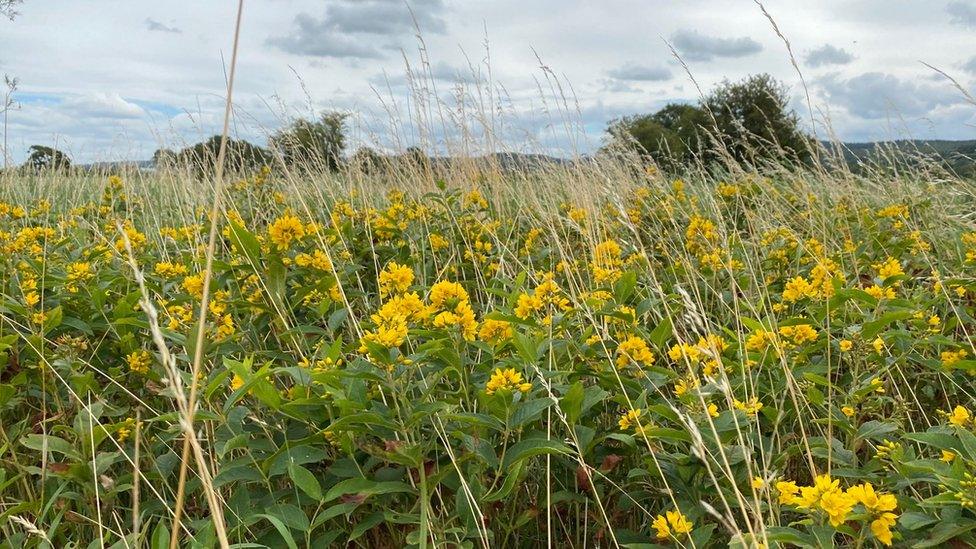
(962, 13)
(104, 82)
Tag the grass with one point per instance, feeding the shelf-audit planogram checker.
(619, 345)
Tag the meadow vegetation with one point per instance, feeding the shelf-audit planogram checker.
(594, 353)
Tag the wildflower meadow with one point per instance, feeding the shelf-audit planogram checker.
(590, 354)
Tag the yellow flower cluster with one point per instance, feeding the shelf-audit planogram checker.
(672, 524)
(825, 494)
(507, 379)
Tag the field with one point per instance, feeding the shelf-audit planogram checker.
(577, 355)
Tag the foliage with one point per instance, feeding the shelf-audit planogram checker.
(747, 121)
(660, 363)
(313, 145)
(41, 158)
(202, 157)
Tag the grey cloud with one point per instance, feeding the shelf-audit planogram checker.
(154, 25)
(615, 85)
(640, 73)
(828, 55)
(876, 95)
(385, 17)
(695, 46)
(316, 38)
(353, 29)
(962, 13)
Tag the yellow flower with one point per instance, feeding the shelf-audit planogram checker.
(950, 358)
(959, 417)
(712, 409)
(507, 379)
(797, 289)
(881, 527)
(788, 491)
(139, 361)
(631, 418)
(286, 229)
(846, 345)
(947, 456)
(395, 279)
(879, 293)
(889, 268)
(672, 523)
(166, 269)
(634, 350)
(799, 334)
(880, 506)
(193, 285)
(438, 242)
(236, 383)
(750, 407)
(837, 505)
(878, 344)
(848, 411)
(661, 525)
(758, 483)
(446, 294)
(495, 331)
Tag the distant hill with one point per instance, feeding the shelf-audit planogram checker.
(958, 156)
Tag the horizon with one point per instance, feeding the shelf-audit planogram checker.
(862, 62)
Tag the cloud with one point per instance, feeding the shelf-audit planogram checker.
(828, 55)
(970, 66)
(102, 105)
(614, 85)
(962, 13)
(156, 26)
(386, 17)
(640, 73)
(315, 38)
(876, 95)
(352, 29)
(695, 46)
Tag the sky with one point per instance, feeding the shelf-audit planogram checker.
(117, 79)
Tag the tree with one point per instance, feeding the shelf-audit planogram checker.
(752, 117)
(241, 155)
(672, 136)
(163, 158)
(313, 144)
(41, 158)
(366, 160)
(8, 8)
(750, 120)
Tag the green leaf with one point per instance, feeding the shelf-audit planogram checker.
(247, 244)
(914, 521)
(282, 529)
(875, 430)
(572, 402)
(624, 287)
(366, 487)
(305, 480)
(528, 448)
(661, 333)
(874, 327)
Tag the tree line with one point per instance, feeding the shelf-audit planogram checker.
(746, 121)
